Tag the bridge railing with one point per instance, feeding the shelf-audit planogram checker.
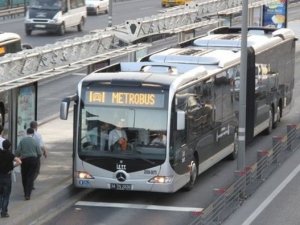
(246, 181)
(12, 12)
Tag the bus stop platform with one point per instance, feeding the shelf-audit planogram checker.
(54, 183)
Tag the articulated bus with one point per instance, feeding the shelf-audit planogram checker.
(187, 95)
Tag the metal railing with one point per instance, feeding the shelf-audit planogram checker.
(247, 181)
(12, 12)
(63, 57)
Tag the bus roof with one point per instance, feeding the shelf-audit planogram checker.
(7, 36)
(259, 39)
(212, 59)
(149, 73)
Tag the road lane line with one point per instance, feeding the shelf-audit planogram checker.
(271, 197)
(79, 74)
(138, 206)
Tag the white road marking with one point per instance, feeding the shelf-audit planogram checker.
(79, 74)
(139, 206)
(270, 198)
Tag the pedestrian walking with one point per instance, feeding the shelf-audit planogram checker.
(29, 151)
(38, 138)
(7, 163)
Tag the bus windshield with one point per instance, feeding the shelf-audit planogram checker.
(123, 124)
(46, 4)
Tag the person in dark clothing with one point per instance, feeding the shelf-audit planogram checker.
(38, 137)
(7, 163)
(29, 151)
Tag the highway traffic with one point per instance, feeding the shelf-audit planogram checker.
(120, 14)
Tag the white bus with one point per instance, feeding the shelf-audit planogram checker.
(186, 95)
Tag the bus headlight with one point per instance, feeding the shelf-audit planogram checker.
(161, 180)
(84, 175)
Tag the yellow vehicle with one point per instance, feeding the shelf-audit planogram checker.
(165, 3)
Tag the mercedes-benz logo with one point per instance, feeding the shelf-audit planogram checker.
(121, 176)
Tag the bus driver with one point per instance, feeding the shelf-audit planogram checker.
(117, 138)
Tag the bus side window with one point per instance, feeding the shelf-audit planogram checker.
(180, 105)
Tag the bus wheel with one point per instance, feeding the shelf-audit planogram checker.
(271, 119)
(193, 176)
(80, 25)
(276, 117)
(62, 29)
(233, 155)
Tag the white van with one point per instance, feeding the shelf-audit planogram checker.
(96, 6)
(55, 15)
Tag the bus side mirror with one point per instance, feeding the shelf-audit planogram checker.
(180, 120)
(64, 108)
(65, 104)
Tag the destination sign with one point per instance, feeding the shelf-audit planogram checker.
(2, 51)
(115, 98)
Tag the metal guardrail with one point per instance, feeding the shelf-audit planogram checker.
(39, 63)
(12, 12)
(247, 181)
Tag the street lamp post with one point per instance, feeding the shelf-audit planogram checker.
(243, 86)
(110, 13)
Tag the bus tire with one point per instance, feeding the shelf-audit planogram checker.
(193, 176)
(276, 117)
(268, 130)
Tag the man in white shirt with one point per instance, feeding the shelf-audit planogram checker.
(118, 135)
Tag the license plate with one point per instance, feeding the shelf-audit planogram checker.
(40, 26)
(121, 187)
